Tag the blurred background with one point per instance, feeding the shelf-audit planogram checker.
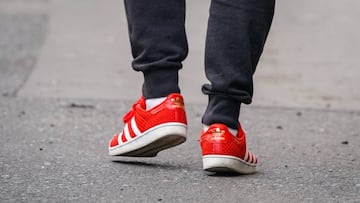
(80, 49)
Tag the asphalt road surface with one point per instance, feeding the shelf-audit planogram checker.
(66, 80)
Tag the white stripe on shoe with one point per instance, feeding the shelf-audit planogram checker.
(250, 157)
(134, 127)
(127, 133)
(246, 155)
(155, 139)
(119, 138)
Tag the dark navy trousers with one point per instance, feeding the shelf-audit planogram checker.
(237, 31)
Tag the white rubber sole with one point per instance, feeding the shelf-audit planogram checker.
(227, 164)
(152, 141)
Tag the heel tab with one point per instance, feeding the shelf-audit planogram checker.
(175, 95)
(176, 101)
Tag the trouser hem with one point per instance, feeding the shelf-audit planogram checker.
(160, 82)
(222, 109)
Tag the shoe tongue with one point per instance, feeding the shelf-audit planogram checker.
(130, 114)
(141, 102)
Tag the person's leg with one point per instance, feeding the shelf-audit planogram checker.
(157, 121)
(237, 30)
(158, 43)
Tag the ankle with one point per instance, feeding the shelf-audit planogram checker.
(151, 103)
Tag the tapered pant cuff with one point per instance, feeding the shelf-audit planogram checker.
(160, 82)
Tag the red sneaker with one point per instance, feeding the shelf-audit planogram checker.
(223, 152)
(147, 132)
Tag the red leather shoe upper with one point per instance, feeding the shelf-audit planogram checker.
(138, 119)
(171, 110)
(218, 140)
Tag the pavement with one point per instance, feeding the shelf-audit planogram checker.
(65, 81)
